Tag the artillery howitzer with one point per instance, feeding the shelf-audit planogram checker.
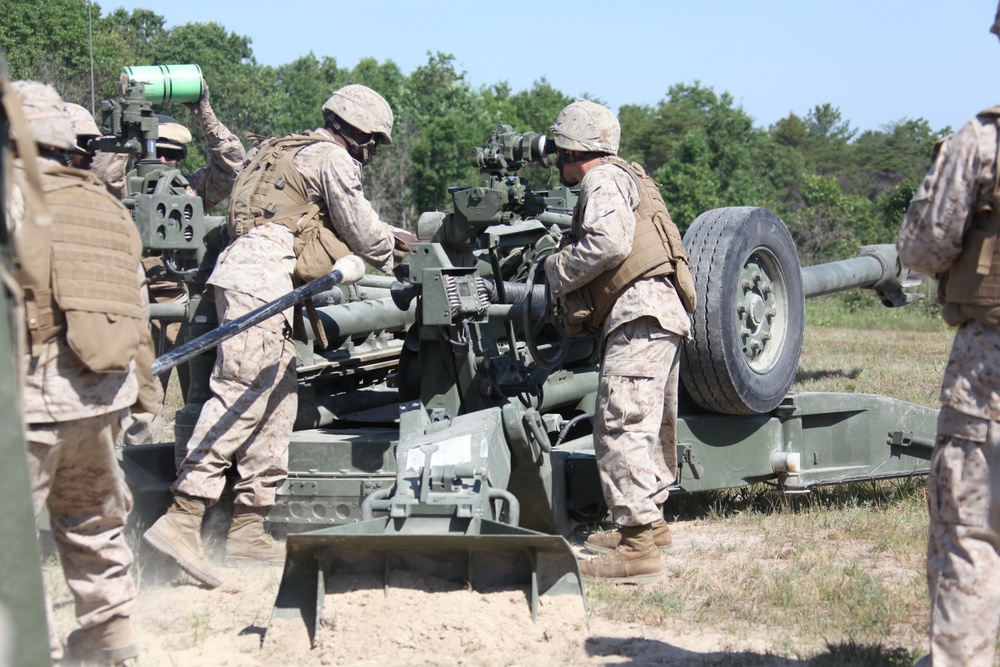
(446, 431)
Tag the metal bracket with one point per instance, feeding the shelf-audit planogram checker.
(687, 458)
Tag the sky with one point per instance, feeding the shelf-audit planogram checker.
(878, 61)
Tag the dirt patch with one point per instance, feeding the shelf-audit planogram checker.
(421, 621)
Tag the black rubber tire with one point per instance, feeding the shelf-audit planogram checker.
(743, 361)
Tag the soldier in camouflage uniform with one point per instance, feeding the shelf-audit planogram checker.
(151, 390)
(292, 191)
(85, 319)
(620, 263)
(950, 229)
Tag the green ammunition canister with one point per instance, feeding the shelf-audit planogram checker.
(168, 83)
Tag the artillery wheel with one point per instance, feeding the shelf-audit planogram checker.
(747, 328)
(549, 320)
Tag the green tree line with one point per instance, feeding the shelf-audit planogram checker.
(834, 187)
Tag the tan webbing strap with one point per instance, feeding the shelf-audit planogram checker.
(299, 328)
(290, 217)
(317, 326)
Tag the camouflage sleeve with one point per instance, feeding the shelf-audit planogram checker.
(930, 236)
(214, 182)
(110, 168)
(339, 179)
(608, 198)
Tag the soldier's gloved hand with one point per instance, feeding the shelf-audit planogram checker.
(201, 109)
(401, 240)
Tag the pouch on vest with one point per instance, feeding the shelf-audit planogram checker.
(575, 310)
(103, 342)
(316, 249)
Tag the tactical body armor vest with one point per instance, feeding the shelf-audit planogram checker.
(657, 249)
(970, 288)
(80, 273)
(270, 189)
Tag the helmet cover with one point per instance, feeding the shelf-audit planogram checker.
(46, 115)
(363, 109)
(587, 127)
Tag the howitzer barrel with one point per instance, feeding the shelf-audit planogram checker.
(876, 266)
(371, 287)
(347, 270)
(167, 312)
(363, 317)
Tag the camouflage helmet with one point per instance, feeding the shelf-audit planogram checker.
(46, 115)
(81, 121)
(588, 127)
(172, 135)
(995, 28)
(363, 109)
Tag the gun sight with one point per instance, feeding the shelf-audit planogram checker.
(507, 150)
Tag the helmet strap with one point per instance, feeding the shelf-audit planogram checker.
(362, 151)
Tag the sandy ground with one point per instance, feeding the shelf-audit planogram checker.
(419, 621)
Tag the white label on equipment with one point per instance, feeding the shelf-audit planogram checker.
(449, 452)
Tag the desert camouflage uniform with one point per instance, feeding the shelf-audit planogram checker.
(636, 410)
(963, 553)
(254, 381)
(214, 182)
(73, 417)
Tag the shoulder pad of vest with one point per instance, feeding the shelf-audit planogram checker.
(633, 169)
(64, 176)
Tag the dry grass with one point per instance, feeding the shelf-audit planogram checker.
(805, 575)
(903, 364)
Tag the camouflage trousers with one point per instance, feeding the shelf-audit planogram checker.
(74, 473)
(635, 420)
(251, 414)
(963, 551)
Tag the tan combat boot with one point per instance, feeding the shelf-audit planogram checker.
(248, 541)
(178, 534)
(603, 542)
(109, 643)
(634, 560)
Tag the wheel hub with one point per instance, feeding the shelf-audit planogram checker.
(757, 308)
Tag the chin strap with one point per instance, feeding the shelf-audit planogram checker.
(363, 152)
